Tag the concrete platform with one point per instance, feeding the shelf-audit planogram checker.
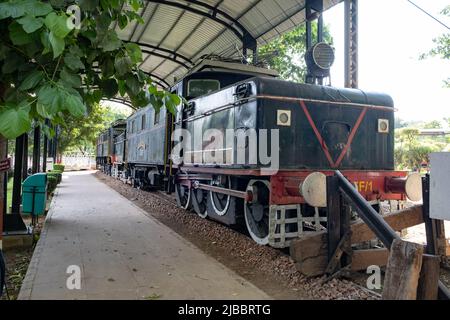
(121, 252)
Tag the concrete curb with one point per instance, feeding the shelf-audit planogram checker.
(27, 284)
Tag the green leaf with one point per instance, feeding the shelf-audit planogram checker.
(30, 23)
(122, 21)
(107, 68)
(70, 79)
(73, 61)
(88, 5)
(134, 51)
(97, 95)
(135, 4)
(32, 80)
(11, 10)
(75, 105)
(110, 41)
(109, 87)
(170, 102)
(42, 111)
(133, 16)
(123, 65)
(58, 44)
(50, 99)
(133, 85)
(17, 35)
(122, 88)
(46, 42)
(58, 24)
(37, 8)
(14, 121)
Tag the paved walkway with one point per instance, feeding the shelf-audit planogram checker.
(121, 252)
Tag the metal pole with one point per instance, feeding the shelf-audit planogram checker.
(36, 150)
(320, 39)
(351, 43)
(25, 157)
(55, 144)
(44, 154)
(18, 167)
(308, 27)
(320, 28)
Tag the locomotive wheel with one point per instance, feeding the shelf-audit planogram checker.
(183, 196)
(256, 211)
(221, 202)
(199, 198)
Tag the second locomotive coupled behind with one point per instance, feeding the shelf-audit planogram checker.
(248, 148)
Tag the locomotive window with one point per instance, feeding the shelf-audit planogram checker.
(133, 126)
(200, 87)
(143, 122)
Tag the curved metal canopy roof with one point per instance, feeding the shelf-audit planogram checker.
(177, 33)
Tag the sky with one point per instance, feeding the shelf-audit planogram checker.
(392, 36)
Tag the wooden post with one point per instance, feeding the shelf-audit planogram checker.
(429, 278)
(333, 218)
(403, 271)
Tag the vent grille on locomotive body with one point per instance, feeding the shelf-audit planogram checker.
(320, 129)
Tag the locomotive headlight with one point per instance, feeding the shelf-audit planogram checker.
(413, 187)
(314, 189)
(383, 125)
(284, 117)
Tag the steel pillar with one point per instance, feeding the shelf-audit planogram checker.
(25, 157)
(18, 170)
(36, 150)
(351, 43)
(44, 154)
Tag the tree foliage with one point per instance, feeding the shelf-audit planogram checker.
(411, 150)
(51, 69)
(286, 53)
(442, 45)
(79, 134)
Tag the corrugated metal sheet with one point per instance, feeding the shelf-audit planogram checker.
(191, 29)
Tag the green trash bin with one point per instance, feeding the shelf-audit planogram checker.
(34, 194)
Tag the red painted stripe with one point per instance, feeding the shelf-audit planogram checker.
(318, 135)
(350, 138)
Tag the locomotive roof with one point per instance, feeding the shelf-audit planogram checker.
(234, 67)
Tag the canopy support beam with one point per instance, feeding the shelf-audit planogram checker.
(351, 43)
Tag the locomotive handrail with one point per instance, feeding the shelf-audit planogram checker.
(238, 103)
(341, 103)
(373, 219)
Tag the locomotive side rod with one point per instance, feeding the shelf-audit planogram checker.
(234, 193)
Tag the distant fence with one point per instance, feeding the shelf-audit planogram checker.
(78, 161)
